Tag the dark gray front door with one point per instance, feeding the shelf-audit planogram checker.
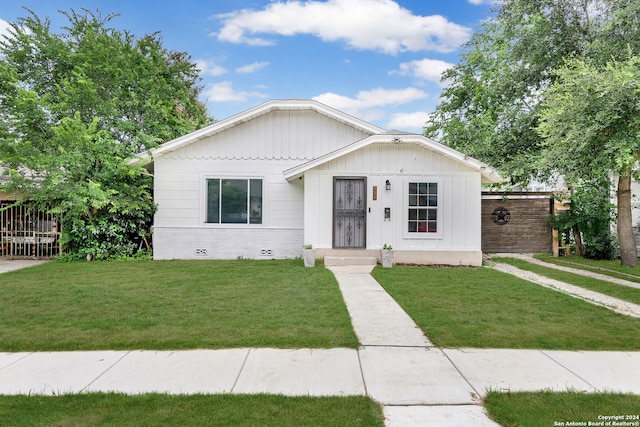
(349, 212)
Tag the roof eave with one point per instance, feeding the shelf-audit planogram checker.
(488, 175)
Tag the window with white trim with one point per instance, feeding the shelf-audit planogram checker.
(234, 201)
(423, 208)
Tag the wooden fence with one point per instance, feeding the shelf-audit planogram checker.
(518, 223)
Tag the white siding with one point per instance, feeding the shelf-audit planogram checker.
(395, 158)
(264, 148)
(460, 204)
(279, 135)
(180, 190)
(301, 212)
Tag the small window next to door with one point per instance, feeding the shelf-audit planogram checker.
(423, 208)
(349, 212)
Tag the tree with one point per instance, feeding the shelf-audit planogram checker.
(73, 106)
(490, 108)
(589, 218)
(492, 105)
(590, 122)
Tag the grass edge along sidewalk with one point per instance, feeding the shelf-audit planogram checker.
(625, 293)
(611, 268)
(172, 305)
(547, 408)
(480, 307)
(189, 410)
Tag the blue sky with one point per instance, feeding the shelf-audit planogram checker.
(379, 60)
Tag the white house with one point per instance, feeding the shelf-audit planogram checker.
(265, 182)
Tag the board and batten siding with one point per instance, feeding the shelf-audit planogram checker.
(460, 198)
(262, 147)
(279, 135)
(180, 228)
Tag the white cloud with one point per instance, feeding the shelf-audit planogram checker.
(367, 104)
(409, 121)
(426, 69)
(480, 2)
(210, 68)
(380, 25)
(4, 27)
(251, 68)
(224, 92)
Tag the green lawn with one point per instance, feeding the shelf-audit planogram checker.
(611, 268)
(484, 308)
(544, 409)
(158, 305)
(622, 292)
(188, 410)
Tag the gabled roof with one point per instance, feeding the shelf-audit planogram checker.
(146, 157)
(488, 175)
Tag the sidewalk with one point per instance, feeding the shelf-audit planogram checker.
(417, 383)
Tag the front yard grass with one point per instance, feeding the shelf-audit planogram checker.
(188, 410)
(165, 305)
(548, 408)
(622, 292)
(485, 308)
(611, 268)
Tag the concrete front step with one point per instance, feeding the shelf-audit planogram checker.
(333, 261)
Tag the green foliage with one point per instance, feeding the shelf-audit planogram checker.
(591, 213)
(602, 246)
(495, 101)
(589, 120)
(490, 107)
(75, 105)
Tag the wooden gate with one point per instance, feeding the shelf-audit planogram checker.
(25, 233)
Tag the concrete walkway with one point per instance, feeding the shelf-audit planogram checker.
(417, 383)
(7, 265)
(579, 271)
(614, 304)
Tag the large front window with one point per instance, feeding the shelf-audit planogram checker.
(234, 201)
(423, 207)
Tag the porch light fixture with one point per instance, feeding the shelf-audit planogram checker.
(387, 185)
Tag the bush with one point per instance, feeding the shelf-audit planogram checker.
(603, 246)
